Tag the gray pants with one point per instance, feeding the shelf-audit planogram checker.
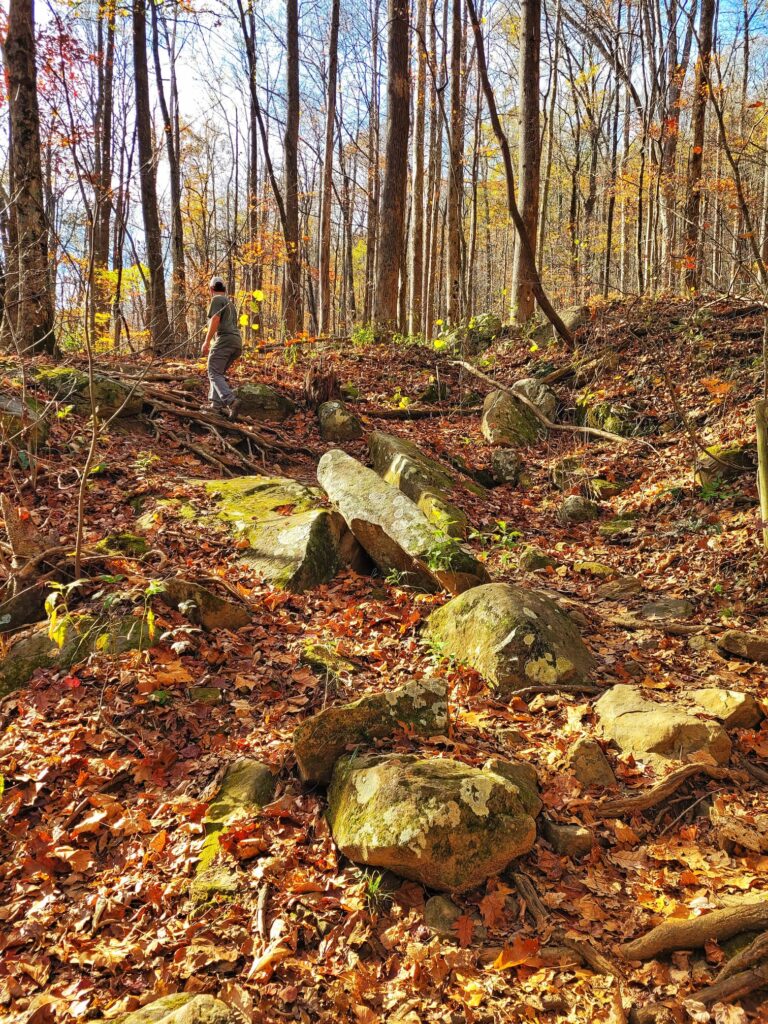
(220, 358)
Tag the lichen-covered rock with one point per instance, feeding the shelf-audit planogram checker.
(568, 840)
(179, 1008)
(725, 462)
(540, 394)
(589, 764)
(261, 402)
(111, 397)
(567, 473)
(81, 636)
(617, 529)
(421, 706)
(602, 489)
(124, 543)
(506, 465)
(202, 606)
(23, 423)
(435, 391)
(577, 509)
(424, 480)
(295, 543)
(736, 710)
(751, 646)
(24, 608)
(522, 775)
(337, 423)
(436, 821)
(508, 423)
(326, 661)
(393, 529)
(511, 636)
(647, 729)
(532, 559)
(599, 569)
(616, 419)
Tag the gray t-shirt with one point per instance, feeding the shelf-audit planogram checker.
(228, 326)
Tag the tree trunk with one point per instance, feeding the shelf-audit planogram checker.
(292, 304)
(160, 335)
(455, 170)
(696, 158)
(102, 185)
(372, 218)
(28, 324)
(417, 216)
(325, 208)
(530, 155)
(390, 249)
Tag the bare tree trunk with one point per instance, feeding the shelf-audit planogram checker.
(102, 185)
(390, 250)
(417, 215)
(455, 170)
(529, 156)
(372, 220)
(292, 303)
(161, 338)
(28, 322)
(325, 208)
(696, 158)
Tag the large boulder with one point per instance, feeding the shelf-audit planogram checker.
(293, 541)
(539, 394)
(23, 422)
(111, 397)
(263, 403)
(649, 730)
(76, 637)
(507, 422)
(179, 1008)
(393, 529)
(424, 480)
(420, 706)
(337, 423)
(511, 636)
(722, 463)
(436, 821)
(574, 318)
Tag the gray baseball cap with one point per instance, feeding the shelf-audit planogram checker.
(216, 282)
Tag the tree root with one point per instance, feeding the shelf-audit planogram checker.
(755, 953)
(625, 806)
(694, 933)
(735, 987)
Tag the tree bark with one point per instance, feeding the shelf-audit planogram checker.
(292, 301)
(455, 170)
(696, 159)
(28, 321)
(417, 232)
(529, 156)
(389, 263)
(325, 207)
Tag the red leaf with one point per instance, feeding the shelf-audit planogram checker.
(464, 927)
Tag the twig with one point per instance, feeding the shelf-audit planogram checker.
(261, 911)
(588, 688)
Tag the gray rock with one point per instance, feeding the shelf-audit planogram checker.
(667, 609)
(589, 764)
(751, 646)
(577, 509)
(736, 710)
(246, 787)
(420, 706)
(263, 403)
(23, 423)
(540, 394)
(506, 465)
(646, 729)
(337, 423)
(511, 636)
(533, 558)
(422, 479)
(440, 915)
(507, 423)
(568, 840)
(568, 473)
(436, 821)
(574, 318)
(621, 589)
(112, 397)
(179, 1008)
(393, 529)
(202, 606)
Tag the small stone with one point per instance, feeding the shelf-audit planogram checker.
(511, 737)
(326, 662)
(568, 840)
(435, 391)
(506, 465)
(567, 472)
(621, 589)
(617, 529)
(124, 543)
(205, 694)
(246, 787)
(440, 915)
(597, 487)
(594, 569)
(750, 646)
(577, 509)
(337, 423)
(589, 764)
(261, 402)
(736, 710)
(667, 609)
(202, 607)
(533, 558)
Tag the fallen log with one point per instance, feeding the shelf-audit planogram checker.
(695, 932)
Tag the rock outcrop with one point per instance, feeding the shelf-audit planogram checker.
(261, 402)
(70, 387)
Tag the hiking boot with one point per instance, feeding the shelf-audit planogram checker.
(232, 409)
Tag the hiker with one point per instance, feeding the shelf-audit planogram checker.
(223, 346)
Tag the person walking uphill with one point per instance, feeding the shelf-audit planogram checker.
(223, 345)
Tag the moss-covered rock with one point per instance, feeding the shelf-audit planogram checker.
(726, 462)
(326, 662)
(81, 635)
(577, 509)
(422, 479)
(435, 391)
(436, 821)
(532, 559)
(507, 422)
(124, 544)
(617, 529)
(568, 473)
(111, 397)
(601, 489)
(598, 569)
(24, 608)
(23, 423)
(506, 465)
(393, 529)
(421, 706)
(613, 417)
(511, 636)
(337, 423)
(539, 394)
(202, 606)
(179, 1008)
(522, 775)
(263, 403)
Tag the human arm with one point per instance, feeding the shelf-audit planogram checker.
(213, 326)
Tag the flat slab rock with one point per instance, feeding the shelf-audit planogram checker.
(511, 636)
(647, 729)
(179, 1008)
(436, 821)
(393, 529)
(421, 706)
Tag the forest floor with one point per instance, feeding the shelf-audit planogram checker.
(108, 770)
